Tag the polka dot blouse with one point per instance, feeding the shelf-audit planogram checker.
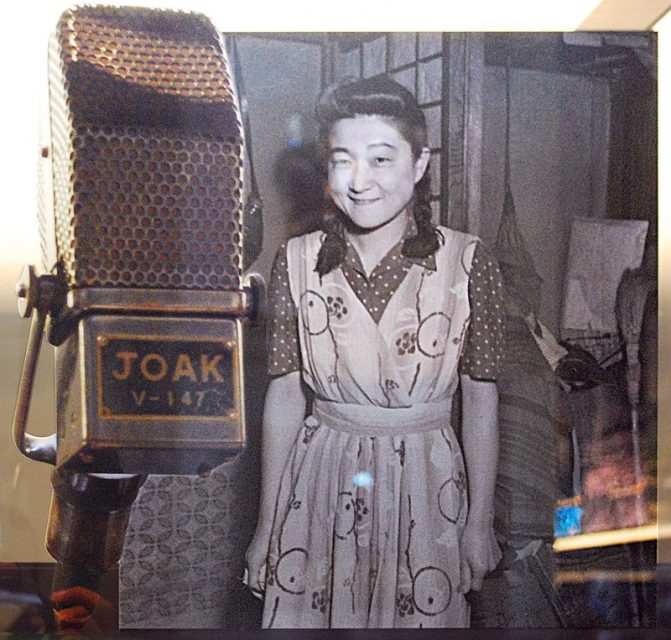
(483, 349)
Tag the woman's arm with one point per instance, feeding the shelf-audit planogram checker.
(479, 552)
(283, 415)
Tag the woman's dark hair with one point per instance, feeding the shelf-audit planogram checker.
(378, 96)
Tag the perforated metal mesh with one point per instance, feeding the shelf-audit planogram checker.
(147, 151)
(149, 48)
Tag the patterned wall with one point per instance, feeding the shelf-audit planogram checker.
(182, 555)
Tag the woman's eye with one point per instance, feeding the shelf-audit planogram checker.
(381, 161)
(340, 162)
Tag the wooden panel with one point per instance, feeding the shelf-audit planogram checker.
(463, 73)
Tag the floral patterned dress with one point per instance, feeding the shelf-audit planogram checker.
(373, 497)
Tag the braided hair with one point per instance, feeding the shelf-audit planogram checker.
(383, 97)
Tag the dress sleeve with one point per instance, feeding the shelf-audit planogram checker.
(483, 350)
(283, 349)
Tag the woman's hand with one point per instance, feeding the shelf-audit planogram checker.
(480, 554)
(255, 558)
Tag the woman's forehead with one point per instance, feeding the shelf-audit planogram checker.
(364, 130)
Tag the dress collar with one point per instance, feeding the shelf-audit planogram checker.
(353, 260)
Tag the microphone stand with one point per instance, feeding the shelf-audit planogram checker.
(85, 534)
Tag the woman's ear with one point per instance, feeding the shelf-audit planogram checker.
(421, 164)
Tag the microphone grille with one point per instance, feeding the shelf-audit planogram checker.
(147, 151)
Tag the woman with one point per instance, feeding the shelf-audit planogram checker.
(365, 518)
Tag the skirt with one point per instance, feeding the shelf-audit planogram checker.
(368, 520)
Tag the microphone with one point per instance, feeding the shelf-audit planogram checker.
(143, 296)
(143, 245)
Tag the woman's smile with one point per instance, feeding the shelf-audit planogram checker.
(363, 201)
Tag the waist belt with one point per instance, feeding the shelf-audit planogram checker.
(371, 420)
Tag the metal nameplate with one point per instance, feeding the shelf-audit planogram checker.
(163, 378)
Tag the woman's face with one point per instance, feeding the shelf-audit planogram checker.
(372, 172)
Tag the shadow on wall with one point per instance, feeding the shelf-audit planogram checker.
(300, 175)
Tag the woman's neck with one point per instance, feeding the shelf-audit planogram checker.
(373, 245)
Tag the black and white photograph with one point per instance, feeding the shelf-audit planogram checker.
(320, 329)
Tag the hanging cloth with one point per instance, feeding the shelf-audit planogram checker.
(520, 278)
